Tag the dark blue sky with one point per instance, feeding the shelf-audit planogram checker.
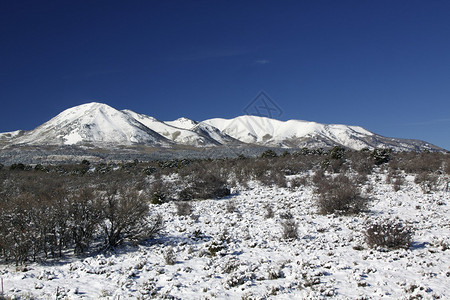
(383, 65)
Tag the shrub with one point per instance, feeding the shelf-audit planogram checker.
(381, 156)
(397, 184)
(427, 181)
(361, 163)
(273, 177)
(231, 206)
(298, 182)
(169, 256)
(183, 208)
(269, 211)
(86, 214)
(339, 195)
(269, 153)
(290, 229)
(389, 234)
(158, 198)
(447, 166)
(337, 152)
(337, 165)
(125, 218)
(204, 185)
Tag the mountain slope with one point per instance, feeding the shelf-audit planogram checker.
(176, 134)
(100, 125)
(183, 122)
(297, 134)
(92, 123)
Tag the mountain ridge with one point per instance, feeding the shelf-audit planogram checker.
(103, 126)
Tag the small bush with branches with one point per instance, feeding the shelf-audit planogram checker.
(184, 208)
(339, 195)
(290, 229)
(389, 234)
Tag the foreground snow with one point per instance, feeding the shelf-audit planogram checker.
(330, 258)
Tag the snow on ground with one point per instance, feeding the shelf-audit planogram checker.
(252, 261)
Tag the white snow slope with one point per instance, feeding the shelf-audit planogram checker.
(182, 135)
(329, 259)
(262, 130)
(92, 123)
(101, 125)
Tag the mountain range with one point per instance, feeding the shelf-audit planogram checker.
(100, 125)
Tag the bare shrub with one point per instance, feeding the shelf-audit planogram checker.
(397, 184)
(361, 162)
(183, 208)
(231, 207)
(273, 177)
(169, 256)
(427, 181)
(388, 234)
(290, 229)
(125, 215)
(337, 165)
(298, 182)
(159, 192)
(381, 156)
(339, 195)
(447, 165)
(395, 179)
(286, 215)
(204, 185)
(319, 179)
(85, 210)
(417, 163)
(269, 211)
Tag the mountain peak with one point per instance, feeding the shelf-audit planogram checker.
(101, 125)
(183, 122)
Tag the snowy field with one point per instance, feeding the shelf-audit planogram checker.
(218, 253)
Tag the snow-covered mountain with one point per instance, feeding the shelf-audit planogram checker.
(92, 123)
(182, 135)
(100, 125)
(182, 122)
(298, 134)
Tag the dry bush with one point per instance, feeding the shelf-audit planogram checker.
(159, 192)
(398, 183)
(183, 208)
(389, 234)
(447, 165)
(427, 181)
(319, 178)
(169, 256)
(269, 211)
(125, 218)
(298, 182)
(337, 165)
(395, 178)
(290, 229)
(86, 211)
(286, 215)
(416, 163)
(201, 184)
(339, 195)
(273, 177)
(231, 206)
(361, 162)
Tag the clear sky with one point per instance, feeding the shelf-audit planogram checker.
(382, 65)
